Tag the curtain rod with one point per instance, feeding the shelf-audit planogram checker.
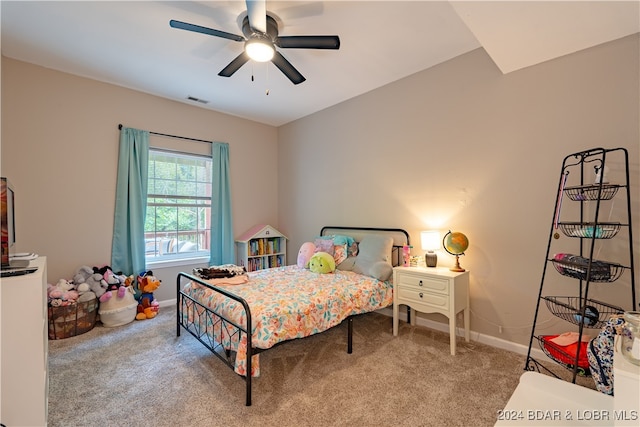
(174, 136)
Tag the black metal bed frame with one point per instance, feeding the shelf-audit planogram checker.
(196, 310)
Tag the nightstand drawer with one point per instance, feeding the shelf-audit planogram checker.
(433, 284)
(421, 300)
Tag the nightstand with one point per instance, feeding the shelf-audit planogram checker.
(432, 290)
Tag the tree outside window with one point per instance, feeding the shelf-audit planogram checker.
(178, 222)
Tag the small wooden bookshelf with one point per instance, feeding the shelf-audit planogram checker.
(260, 247)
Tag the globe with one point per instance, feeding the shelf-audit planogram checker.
(456, 244)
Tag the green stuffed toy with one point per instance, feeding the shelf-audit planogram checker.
(322, 262)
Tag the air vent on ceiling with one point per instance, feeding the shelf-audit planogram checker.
(193, 98)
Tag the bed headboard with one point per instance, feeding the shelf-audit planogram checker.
(400, 237)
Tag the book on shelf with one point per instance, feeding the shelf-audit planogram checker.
(263, 246)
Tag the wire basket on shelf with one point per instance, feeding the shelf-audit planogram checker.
(577, 267)
(566, 356)
(590, 192)
(603, 230)
(73, 319)
(596, 313)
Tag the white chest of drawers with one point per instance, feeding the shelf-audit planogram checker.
(432, 290)
(24, 382)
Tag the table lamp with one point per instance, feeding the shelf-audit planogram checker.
(430, 242)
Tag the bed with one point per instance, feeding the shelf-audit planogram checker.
(289, 302)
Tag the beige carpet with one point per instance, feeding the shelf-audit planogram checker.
(141, 374)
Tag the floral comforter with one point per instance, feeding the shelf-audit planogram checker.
(287, 303)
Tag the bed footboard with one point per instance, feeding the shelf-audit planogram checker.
(212, 329)
(216, 332)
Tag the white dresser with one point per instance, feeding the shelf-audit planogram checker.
(542, 400)
(24, 382)
(626, 388)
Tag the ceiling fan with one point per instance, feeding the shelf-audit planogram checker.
(260, 38)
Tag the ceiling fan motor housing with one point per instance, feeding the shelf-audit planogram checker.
(271, 34)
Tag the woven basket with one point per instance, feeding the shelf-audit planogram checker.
(72, 320)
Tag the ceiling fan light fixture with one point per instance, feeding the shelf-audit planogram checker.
(260, 41)
(259, 49)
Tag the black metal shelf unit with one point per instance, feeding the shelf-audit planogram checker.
(587, 172)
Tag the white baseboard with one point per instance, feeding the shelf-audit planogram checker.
(474, 336)
(169, 302)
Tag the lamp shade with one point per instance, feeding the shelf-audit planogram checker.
(430, 240)
(259, 49)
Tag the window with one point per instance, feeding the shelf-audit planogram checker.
(178, 222)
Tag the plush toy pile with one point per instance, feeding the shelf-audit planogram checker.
(72, 309)
(87, 283)
(64, 293)
(73, 303)
(121, 299)
(370, 257)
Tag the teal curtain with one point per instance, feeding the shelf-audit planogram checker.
(222, 243)
(128, 245)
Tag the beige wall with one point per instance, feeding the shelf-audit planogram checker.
(60, 149)
(461, 146)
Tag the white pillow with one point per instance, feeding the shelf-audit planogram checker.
(373, 257)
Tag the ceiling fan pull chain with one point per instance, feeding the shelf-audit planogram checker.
(267, 91)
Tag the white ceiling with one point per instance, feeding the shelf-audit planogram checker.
(130, 44)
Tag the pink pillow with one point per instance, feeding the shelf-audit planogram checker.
(305, 253)
(324, 245)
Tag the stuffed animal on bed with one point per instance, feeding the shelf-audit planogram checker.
(322, 262)
(305, 253)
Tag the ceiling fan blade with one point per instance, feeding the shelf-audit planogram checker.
(204, 30)
(287, 69)
(257, 14)
(234, 65)
(308, 42)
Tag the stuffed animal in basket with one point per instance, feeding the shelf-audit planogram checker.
(62, 293)
(147, 304)
(115, 283)
(87, 279)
